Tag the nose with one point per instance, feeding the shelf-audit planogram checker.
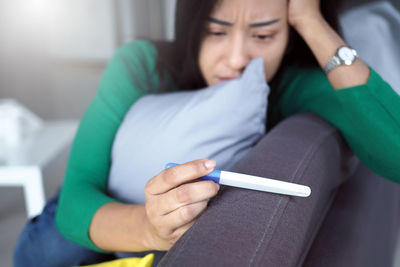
(237, 56)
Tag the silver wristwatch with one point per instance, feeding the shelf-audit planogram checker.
(345, 55)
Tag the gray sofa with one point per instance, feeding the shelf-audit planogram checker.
(352, 215)
(350, 219)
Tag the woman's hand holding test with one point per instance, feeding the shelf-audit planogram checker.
(174, 201)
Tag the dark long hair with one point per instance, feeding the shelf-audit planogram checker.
(178, 60)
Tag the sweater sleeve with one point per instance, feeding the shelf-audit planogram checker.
(84, 190)
(368, 115)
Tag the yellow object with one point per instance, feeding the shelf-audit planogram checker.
(146, 261)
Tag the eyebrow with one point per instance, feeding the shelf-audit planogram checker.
(253, 25)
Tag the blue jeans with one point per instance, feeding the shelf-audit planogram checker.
(41, 245)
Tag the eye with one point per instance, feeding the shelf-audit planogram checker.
(263, 36)
(217, 33)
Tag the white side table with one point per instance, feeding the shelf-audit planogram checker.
(22, 165)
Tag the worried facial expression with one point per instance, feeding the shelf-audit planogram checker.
(238, 31)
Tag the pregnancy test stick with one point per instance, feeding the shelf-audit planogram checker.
(255, 182)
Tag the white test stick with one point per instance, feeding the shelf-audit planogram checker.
(255, 183)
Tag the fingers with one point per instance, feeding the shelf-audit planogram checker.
(174, 201)
(180, 231)
(173, 237)
(165, 230)
(177, 175)
(183, 215)
(187, 194)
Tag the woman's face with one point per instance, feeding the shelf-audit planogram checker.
(240, 30)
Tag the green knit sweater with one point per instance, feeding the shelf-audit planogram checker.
(368, 116)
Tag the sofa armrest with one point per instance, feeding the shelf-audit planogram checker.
(361, 227)
(251, 228)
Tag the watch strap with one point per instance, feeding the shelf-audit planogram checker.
(333, 63)
(336, 61)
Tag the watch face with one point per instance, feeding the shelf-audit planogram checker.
(346, 55)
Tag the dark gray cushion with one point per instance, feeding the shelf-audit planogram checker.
(249, 228)
(361, 228)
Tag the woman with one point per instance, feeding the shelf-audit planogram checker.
(215, 40)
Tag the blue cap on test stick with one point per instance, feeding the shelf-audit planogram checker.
(214, 175)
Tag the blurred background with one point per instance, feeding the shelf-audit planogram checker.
(53, 52)
(52, 55)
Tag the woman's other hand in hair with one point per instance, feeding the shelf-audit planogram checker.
(301, 12)
(174, 199)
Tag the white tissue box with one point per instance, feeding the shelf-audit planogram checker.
(16, 122)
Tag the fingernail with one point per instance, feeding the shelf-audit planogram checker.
(209, 164)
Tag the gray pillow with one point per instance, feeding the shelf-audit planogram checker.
(221, 122)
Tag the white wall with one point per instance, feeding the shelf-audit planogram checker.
(82, 30)
(53, 52)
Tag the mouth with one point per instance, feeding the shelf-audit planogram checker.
(227, 78)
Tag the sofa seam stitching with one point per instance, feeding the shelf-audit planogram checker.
(311, 151)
